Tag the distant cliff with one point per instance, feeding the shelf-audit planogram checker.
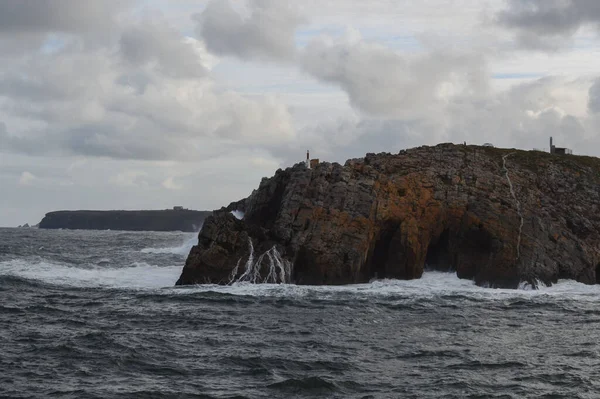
(497, 216)
(163, 220)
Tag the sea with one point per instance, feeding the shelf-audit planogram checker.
(95, 314)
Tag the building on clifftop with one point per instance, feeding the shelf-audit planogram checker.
(310, 163)
(559, 150)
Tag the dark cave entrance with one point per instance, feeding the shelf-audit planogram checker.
(439, 257)
(379, 256)
(598, 274)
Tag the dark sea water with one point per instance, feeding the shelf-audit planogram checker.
(94, 315)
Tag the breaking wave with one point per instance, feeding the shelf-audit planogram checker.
(432, 284)
(139, 275)
(182, 249)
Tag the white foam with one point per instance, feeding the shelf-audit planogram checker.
(238, 214)
(138, 276)
(432, 284)
(183, 249)
(145, 276)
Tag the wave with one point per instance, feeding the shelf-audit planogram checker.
(183, 249)
(432, 284)
(138, 275)
(141, 275)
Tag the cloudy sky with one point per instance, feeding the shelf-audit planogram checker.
(148, 104)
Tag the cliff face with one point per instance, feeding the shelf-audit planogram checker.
(493, 215)
(165, 220)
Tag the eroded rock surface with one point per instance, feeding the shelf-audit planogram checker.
(448, 207)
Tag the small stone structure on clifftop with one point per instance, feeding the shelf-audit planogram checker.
(559, 150)
(310, 163)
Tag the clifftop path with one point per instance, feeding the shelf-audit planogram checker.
(497, 216)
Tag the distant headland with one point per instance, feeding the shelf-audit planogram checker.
(176, 219)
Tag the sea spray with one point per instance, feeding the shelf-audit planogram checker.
(135, 275)
(182, 250)
(239, 215)
(535, 285)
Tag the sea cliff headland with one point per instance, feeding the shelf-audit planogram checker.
(145, 220)
(497, 216)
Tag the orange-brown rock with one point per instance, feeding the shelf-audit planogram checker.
(446, 207)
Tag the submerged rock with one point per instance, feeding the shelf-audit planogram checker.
(497, 216)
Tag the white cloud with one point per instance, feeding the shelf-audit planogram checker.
(130, 178)
(266, 33)
(26, 178)
(380, 81)
(265, 163)
(120, 101)
(150, 100)
(170, 184)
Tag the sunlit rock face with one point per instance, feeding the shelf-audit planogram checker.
(497, 216)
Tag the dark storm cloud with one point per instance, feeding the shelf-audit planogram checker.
(155, 43)
(547, 23)
(92, 139)
(19, 86)
(68, 16)
(267, 33)
(29, 25)
(594, 97)
(103, 140)
(20, 145)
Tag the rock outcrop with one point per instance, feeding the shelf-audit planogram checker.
(497, 216)
(151, 220)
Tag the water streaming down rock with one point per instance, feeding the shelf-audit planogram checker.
(279, 269)
(517, 203)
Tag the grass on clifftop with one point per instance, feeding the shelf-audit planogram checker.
(534, 160)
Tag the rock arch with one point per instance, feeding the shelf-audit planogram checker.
(440, 256)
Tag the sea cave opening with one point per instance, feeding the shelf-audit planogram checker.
(379, 257)
(439, 258)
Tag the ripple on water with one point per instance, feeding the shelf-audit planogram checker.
(89, 316)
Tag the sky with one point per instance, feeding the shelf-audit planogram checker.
(125, 104)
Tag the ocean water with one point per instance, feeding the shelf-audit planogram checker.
(90, 314)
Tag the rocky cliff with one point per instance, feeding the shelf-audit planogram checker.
(159, 220)
(496, 216)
